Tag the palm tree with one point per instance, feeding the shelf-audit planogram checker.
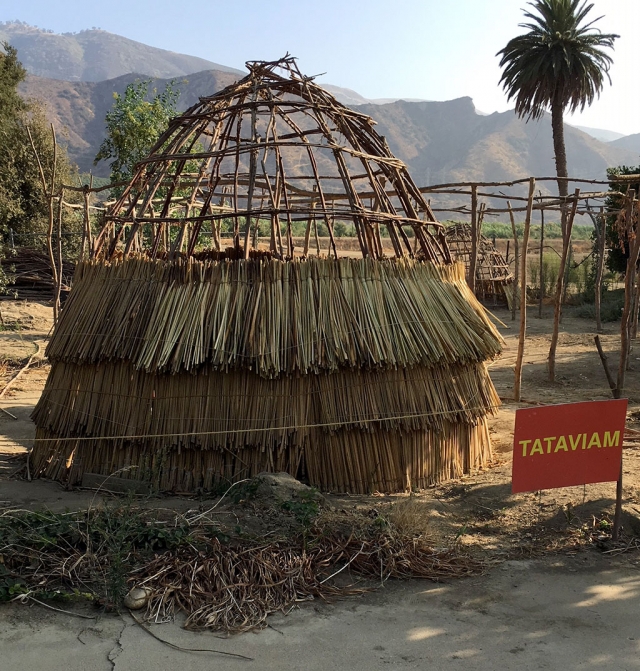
(558, 65)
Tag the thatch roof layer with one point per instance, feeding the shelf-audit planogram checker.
(214, 410)
(272, 317)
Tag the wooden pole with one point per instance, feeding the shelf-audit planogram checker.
(516, 270)
(601, 237)
(567, 275)
(636, 309)
(617, 516)
(541, 260)
(86, 221)
(629, 279)
(48, 194)
(566, 238)
(632, 261)
(58, 287)
(523, 294)
(474, 238)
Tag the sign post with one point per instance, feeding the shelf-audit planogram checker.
(568, 444)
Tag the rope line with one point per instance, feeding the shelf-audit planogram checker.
(291, 427)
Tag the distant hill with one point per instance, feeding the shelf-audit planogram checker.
(439, 141)
(600, 133)
(96, 55)
(449, 141)
(629, 143)
(78, 109)
(351, 97)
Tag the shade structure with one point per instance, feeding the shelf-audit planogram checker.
(219, 328)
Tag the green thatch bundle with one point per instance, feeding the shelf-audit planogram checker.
(182, 364)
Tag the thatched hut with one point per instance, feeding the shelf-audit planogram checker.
(494, 280)
(201, 344)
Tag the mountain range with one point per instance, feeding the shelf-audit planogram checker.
(95, 55)
(77, 75)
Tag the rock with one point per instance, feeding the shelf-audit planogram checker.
(280, 487)
(137, 598)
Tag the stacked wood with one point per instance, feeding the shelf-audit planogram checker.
(493, 277)
(30, 274)
(183, 363)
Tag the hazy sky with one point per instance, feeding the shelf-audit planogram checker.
(432, 49)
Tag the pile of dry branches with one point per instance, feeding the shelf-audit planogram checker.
(220, 583)
(30, 273)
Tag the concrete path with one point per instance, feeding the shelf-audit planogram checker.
(565, 613)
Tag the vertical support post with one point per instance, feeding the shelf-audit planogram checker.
(566, 238)
(58, 286)
(523, 293)
(629, 280)
(616, 394)
(541, 258)
(307, 233)
(636, 309)
(471, 280)
(601, 231)
(516, 262)
(617, 516)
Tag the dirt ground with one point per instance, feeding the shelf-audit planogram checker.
(554, 597)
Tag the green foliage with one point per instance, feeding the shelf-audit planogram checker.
(618, 250)
(342, 230)
(134, 125)
(23, 203)
(610, 307)
(11, 75)
(560, 60)
(552, 231)
(305, 508)
(117, 537)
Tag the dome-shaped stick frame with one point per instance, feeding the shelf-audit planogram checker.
(272, 156)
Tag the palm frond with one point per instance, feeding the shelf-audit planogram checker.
(560, 60)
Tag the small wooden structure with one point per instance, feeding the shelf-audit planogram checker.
(494, 280)
(199, 344)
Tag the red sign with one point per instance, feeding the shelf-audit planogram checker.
(569, 444)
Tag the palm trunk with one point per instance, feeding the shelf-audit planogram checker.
(557, 127)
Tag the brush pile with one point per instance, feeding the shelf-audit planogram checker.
(218, 582)
(30, 273)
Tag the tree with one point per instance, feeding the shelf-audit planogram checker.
(134, 124)
(618, 250)
(23, 202)
(558, 65)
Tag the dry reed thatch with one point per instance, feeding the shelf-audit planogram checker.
(190, 368)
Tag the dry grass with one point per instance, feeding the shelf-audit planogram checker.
(410, 518)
